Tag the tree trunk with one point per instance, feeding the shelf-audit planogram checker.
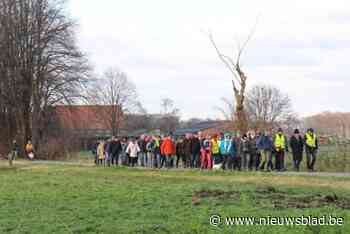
(241, 119)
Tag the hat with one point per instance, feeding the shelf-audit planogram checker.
(280, 130)
(296, 131)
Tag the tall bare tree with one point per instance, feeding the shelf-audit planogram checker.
(267, 106)
(116, 91)
(169, 116)
(40, 64)
(239, 78)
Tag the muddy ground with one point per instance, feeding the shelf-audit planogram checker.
(280, 199)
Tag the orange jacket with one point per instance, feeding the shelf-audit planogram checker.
(167, 147)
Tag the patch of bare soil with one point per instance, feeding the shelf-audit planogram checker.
(284, 200)
(220, 194)
(279, 199)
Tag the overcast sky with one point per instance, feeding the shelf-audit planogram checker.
(301, 47)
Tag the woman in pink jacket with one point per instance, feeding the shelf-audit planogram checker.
(206, 159)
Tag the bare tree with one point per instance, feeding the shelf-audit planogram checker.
(266, 106)
(169, 116)
(40, 64)
(330, 123)
(239, 78)
(118, 93)
(227, 110)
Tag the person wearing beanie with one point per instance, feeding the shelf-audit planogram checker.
(244, 151)
(297, 146)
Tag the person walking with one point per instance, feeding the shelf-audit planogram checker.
(195, 151)
(225, 150)
(244, 151)
(14, 152)
(150, 146)
(157, 154)
(236, 163)
(187, 150)
(179, 152)
(29, 150)
(101, 153)
(106, 151)
(94, 151)
(114, 150)
(264, 145)
(206, 159)
(143, 152)
(297, 146)
(311, 147)
(168, 150)
(253, 153)
(280, 145)
(133, 150)
(123, 155)
(215, 151)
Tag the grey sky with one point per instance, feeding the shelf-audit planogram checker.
(301, 47)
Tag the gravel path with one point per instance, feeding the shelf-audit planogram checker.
(320, 174)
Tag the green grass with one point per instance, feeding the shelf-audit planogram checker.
(49, 198)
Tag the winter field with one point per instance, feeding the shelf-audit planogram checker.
(44, 197)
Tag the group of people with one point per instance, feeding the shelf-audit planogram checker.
(262, 151)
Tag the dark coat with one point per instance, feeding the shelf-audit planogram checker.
(142, 145)
(297, 146)
(179, 149)
(252, 146)
(187, 146)
(115, 148)
(196, 146)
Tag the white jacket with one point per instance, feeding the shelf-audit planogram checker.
(132, 149)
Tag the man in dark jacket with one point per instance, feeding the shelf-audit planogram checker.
(244, 151)
(143, 151)
(179, 152)
(297, 146)
(187, 147)
(106, 151)
(195, 152)
(114, 150)
(14, 152)
(253, 153)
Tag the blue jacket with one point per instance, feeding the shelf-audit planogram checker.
(264, 143)
(228, 147)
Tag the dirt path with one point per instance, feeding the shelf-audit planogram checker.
(325, 174)
(292, 173)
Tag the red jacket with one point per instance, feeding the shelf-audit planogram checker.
(167, 147)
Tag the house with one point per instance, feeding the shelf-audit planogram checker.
(86, 123)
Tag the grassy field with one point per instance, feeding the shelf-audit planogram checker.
(54, 198)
